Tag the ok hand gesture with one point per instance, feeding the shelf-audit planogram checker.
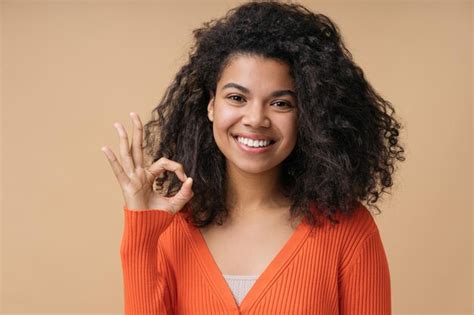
(136, 180)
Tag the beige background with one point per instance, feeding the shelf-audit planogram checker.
(72, 68)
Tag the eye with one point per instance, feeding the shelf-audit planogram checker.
(285, 104)
(236, 98)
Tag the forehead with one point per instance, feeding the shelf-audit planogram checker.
(257, 72)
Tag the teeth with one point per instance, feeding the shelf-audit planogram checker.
(253, 143)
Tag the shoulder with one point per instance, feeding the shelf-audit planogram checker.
(350, 234)
(358, 222)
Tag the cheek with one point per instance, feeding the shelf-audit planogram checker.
(288, 128)
(224, 119)
(292, 134)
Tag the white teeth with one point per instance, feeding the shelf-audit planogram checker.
(253, 143)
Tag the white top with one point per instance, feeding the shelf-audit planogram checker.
(240, 285)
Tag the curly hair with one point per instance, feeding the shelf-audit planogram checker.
(347, 137)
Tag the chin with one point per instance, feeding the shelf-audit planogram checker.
(255, 168)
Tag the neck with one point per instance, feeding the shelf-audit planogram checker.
(252, 196)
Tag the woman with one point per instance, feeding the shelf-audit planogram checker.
(275, 138)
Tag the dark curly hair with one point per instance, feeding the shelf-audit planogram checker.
(347, 138)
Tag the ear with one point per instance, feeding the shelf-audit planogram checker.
(210, 109)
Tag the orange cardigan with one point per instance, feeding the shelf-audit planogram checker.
(168, 269)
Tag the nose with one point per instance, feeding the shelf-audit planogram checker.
(255, 115)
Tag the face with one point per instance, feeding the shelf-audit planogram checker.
(255, 99)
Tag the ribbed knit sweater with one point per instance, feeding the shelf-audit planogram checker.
(329, 269)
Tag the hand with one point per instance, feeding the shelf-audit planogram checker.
(136, 181)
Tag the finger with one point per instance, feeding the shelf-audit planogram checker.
(120, 174)
(137, 140)
(164, 164)
(183, 195)
(124, 149)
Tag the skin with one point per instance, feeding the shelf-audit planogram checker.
(254, 189)
(136, 179)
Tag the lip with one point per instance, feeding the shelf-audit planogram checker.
(252, 150)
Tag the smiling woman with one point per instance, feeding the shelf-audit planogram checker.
(283, 139)
(250, 107)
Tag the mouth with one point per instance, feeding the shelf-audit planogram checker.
(254, 137)
(251, 149)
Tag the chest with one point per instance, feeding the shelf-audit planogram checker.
(246, 250)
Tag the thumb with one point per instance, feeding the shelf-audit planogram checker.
(183, 195)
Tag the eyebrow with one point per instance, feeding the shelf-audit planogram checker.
(245, 90)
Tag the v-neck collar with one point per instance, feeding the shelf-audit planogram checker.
(276, 265)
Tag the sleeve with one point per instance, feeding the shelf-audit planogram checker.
(365, 285)
(144, 267)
